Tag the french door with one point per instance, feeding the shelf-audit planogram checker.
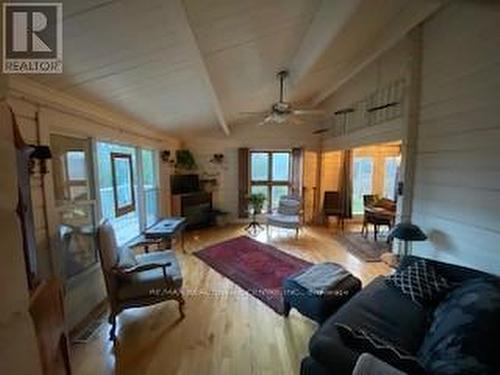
(73, 180)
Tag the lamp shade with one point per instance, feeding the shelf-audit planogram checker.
(407, 232)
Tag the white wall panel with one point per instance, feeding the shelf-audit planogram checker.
(457, 181)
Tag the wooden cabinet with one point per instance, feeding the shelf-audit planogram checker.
(195, 207)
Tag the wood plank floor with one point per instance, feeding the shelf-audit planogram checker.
(226, 331)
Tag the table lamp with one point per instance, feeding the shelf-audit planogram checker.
(407, 232)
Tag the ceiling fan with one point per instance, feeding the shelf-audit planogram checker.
(283, 111)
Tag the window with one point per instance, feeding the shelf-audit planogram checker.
(120, 188)
(123, 183)
(362, 182)
(270, 175)
(391, 164)
(150, 186)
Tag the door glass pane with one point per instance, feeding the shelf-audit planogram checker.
(77, 236)
(259, 166)
(264, 190)
(75, 205)
(150, 186)
(277, 192)
(148, 168)
(362, 182)
(390, 171)
(281, 166)
(76, 165)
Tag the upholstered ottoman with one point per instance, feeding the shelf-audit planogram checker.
(318, 291)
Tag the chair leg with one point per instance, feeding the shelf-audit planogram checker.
(180, 300)
(287, 308)
(112, 331)
(65, 353)
(296, 233)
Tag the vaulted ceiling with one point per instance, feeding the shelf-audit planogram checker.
(194, 65)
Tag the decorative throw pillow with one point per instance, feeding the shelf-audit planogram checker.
(126, 258)
(420, 282)
(368, 342)
(463, 337)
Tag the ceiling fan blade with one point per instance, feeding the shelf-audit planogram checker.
(254, 113)
(321, 131)
(309, 112)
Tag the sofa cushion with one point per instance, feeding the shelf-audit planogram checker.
(126, 258)
(372, 309)
(463, 337)
(368, 342)
(420, 282)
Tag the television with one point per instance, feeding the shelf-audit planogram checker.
(184, 183)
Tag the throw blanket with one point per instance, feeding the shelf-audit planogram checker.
(322, 277)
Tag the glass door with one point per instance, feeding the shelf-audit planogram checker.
(362, 182)
(75, 203)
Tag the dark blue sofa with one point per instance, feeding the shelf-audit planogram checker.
(383, 310)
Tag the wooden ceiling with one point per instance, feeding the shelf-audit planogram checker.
(195, 65)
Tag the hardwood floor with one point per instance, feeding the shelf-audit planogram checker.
(226, 331)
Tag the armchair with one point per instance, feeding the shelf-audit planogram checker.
(288, 214)
(136, 281)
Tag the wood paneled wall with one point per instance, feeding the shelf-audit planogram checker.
(18, 346)
(387, 69)
(457, 181)
(85, 290)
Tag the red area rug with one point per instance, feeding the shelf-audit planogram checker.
(256, 267)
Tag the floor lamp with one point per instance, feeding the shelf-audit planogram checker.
(408, 233)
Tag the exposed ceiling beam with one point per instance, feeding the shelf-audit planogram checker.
(202, 68)
(330, 18)
(412, 15)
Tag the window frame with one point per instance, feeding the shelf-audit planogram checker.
(269, 183)
(120, 211)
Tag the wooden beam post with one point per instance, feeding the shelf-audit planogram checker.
(410, 125)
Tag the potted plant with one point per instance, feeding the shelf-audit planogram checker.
(256, 202)
(185, 160)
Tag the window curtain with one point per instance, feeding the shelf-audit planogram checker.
(243, 172)
(345, 184)
(297, 163)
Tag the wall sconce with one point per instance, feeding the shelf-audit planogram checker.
(165, 157)
(42, 154)
(217, 159)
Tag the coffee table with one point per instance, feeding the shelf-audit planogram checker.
(167, 229)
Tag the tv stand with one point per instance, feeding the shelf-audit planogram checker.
(196, 207)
